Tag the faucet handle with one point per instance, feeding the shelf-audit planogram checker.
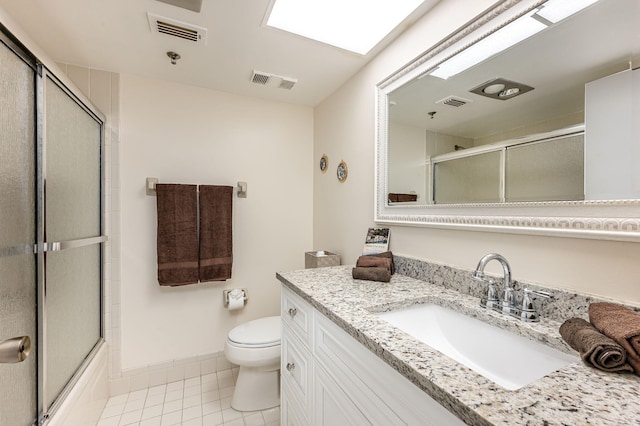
(528, 310)
(492, 295)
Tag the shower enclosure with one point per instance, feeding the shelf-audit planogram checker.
(51, 236)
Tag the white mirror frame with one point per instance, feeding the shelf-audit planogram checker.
(607, 220)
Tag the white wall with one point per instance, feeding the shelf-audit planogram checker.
(183, 134)
(345, 129)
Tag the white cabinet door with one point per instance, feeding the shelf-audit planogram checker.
(290, 411)
(332, 406)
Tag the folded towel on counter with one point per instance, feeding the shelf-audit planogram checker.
(622, 325)
(373, 262)
(371, 274)
(177, 234)
(386, 254)
(216, 240)
(596, 349)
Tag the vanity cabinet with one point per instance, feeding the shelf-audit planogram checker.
(328, 378)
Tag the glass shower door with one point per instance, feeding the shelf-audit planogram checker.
(17, 240)
(73, 238)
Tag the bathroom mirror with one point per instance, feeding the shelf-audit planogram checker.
(523, 121)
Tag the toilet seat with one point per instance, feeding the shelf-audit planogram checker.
(259, 333)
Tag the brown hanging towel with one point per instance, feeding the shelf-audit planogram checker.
(177, 207)
(216, 242)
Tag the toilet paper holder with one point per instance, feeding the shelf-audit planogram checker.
(225, 296)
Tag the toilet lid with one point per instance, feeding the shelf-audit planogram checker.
(262, 332)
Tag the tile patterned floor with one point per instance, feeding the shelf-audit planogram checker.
(201, 401)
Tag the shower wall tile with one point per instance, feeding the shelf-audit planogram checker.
(80, 77)
(100, 91)
(115, 101)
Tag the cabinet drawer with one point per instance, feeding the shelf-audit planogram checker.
(296, 368)
(297, 314)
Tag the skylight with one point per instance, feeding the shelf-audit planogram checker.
(354, 25)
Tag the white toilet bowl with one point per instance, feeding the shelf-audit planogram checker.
(255, 347)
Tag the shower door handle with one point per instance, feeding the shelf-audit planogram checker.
(15, 350)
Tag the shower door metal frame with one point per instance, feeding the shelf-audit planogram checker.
(47, 407)
(8, 40)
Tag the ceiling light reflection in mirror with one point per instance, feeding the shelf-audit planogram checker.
(522, 28)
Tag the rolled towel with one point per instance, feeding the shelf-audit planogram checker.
(622, 325)
(596, 349)
(371, 274)
(373, 262)
(388, 255)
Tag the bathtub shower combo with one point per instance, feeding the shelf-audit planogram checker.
(51, 236)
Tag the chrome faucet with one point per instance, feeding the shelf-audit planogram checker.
(508, 298)
(506, 304)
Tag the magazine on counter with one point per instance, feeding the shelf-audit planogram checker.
(377, 241)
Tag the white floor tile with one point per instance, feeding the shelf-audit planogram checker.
(193, 422)
(134, 405)
(114, 410)
(254, 419)
(207, 378)
(171, 419)
(192, 390)
(151, 412)
(131, 418)
(225, 403)
(113, 421)
(192, 413)
(172, 406)
(271, 415)
(192, 382)
(199, 401)
(152, 400)
(156, 421)
(211, 407)
(209, 386)
(213, 419)
(238, 422)
(211, 396)
(226, 392)
(117, 400)
(157, 390)
(175, 385)
(192, 401)
(141, 394)
(173, 395)
(230, 414)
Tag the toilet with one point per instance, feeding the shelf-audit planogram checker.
(255, 347)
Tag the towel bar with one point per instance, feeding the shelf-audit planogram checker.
(150, 187)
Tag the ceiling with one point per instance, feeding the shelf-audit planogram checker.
(115, 35)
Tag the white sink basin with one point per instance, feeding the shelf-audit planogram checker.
(509, 360)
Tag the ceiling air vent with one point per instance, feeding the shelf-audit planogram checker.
(268, 79)
(454, 101)
(173, 28)
(287, 83)
(260, 77)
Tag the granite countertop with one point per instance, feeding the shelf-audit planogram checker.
(573, 395)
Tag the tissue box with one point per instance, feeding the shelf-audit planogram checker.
(320, 259)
